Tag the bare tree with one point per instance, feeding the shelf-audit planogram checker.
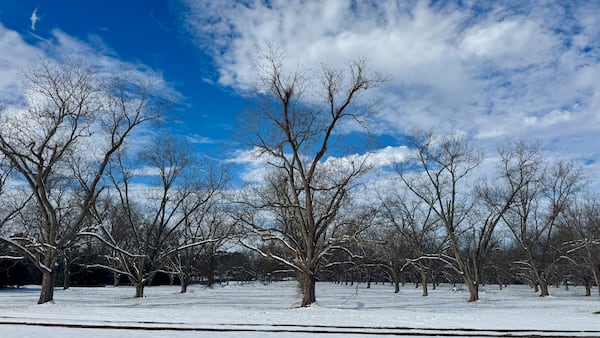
(60, 144)
(443, 167)
(295, 133)
(416, 228)
(209, 224)
(549, 188)
(582, 222)
(149, 217)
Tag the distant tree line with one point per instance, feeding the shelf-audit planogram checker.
(92, 194)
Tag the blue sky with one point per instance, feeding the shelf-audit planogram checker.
(494, 71)
(150, 35)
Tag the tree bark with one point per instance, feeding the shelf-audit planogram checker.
(307, 288)
(544, 288)
(139, 290)
(596, 279)
(473, 291)
(48, 280)
(424, 282)
(183, 280)
(210, 278)
(395, 277)
(116, 279)
(588, 289)
(66, 274)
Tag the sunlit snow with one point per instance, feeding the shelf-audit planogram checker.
(257, 310)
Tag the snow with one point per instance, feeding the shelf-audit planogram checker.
(257, 310)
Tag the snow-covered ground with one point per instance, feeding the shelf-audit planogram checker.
(256, 310)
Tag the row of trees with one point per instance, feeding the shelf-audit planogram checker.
(72, 180)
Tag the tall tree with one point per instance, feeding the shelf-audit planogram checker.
(438, 175)
(209, 224)
(295, 132)
(548, 189)
(59, 144)
(469, 216)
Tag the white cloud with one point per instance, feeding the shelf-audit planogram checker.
(256, 163)
(16, 55)
(199, 139)
(509, 44)
(495, 71)
(34, 19)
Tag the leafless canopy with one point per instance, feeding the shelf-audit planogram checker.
(73, 121)
(305, 189)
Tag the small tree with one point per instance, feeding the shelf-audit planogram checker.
(209, 224)
(582, 222)
(149, 217)
(416, 228)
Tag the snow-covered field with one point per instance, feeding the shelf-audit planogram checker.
(256, 310)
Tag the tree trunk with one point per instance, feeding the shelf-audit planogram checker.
(473, 291)
(66, 274)
(116, 279)
(588, 289)
(48, 280)
(424, 282)
(469, 280)
(544, 288)
(307, 288)
(139, 290)
(183, 280)
(596, 279)
(210, 278)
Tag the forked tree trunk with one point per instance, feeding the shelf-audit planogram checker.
(469, 280)
(48, 280)
(543, 285)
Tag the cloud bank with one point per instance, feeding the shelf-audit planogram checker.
(494, 70)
